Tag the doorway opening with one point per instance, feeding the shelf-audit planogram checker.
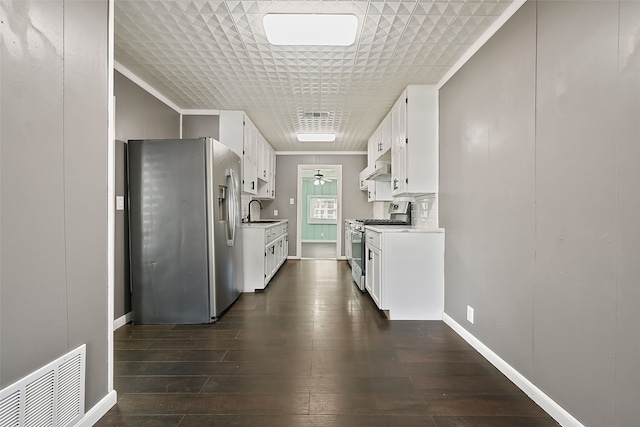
(319, 212)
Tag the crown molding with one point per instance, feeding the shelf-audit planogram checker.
(321, 153)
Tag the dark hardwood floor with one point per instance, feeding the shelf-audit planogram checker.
(310, 351)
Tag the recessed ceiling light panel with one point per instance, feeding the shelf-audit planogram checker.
(302, 29)
(316, 137)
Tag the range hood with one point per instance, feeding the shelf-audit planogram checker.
(381, 172)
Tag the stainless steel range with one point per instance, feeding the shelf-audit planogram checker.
(400, 214)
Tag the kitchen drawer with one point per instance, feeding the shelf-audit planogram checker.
(269, 234)
(373, 238)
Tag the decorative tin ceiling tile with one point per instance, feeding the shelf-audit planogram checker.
(213, 54)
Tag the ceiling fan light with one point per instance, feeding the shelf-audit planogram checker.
(316, 137)
(310, 29)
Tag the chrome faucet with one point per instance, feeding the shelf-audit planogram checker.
(249, 208)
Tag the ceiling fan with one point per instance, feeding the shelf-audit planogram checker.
(319, 179)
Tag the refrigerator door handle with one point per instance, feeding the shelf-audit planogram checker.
(232, 208)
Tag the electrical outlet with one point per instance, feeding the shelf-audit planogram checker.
(321, 234)
(470, 314)
(275, 212)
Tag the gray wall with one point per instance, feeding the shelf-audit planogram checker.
(53, 179)
(539, 147)
(139, 115)
(122, 292)
(354, 200)
(201, 126)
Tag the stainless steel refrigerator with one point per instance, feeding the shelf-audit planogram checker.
(184, 213)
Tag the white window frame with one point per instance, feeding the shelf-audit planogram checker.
(311, 201)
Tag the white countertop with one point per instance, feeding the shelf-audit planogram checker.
(265, 224)
(402, 229)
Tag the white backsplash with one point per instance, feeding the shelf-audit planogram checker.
(381, 210)
(255, 208)
(424, 211)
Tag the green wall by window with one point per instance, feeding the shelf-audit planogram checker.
(325, 232)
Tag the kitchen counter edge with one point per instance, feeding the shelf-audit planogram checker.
(264, 224)
(401, 229)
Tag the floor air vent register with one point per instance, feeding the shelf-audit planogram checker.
(52, 396)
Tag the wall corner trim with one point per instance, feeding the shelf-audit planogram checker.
(122, 320)
(556, 411)
(94, 414)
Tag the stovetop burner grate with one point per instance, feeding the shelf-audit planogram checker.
(381, 221)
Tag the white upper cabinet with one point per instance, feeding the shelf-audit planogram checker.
(372, 150)
(379, 191)
(271, 188)
(264, 158)
(267, 172)
(379, 145)
(364, 184)
(258, 166)
(384, 140)
(378, 156)
(408, 139)
(414, 149)
(250, 167)
(398, 145)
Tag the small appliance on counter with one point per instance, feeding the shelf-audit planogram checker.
(400, 214)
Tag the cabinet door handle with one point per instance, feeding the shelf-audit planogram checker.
(369, 254)
(395, 184)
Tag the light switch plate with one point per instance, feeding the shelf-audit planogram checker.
(291, 201)
(275, 212)
(119, 203)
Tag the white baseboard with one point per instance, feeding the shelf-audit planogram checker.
(556, 411)
(122, 320)
(94, 414)
(293, 257)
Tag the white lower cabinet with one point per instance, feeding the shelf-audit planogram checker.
(405, 272)
(265, 248)
(374, 271)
